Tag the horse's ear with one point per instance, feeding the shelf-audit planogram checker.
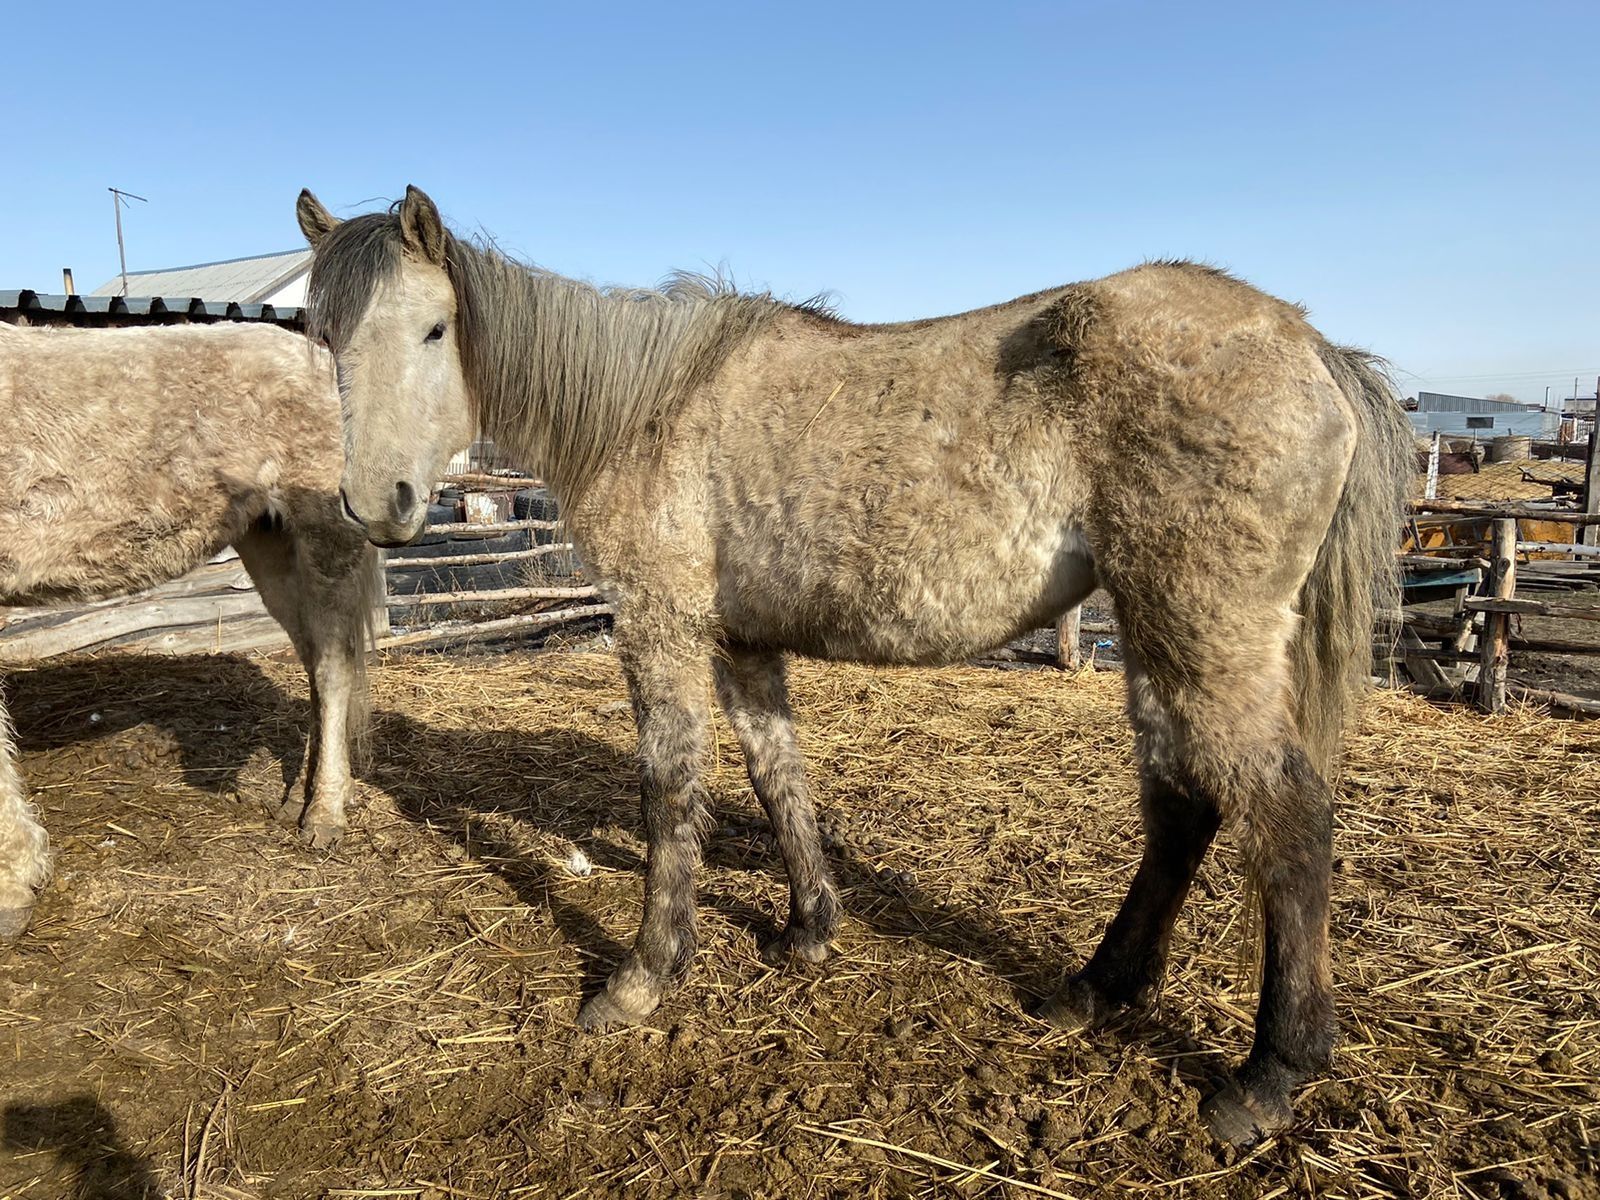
(316, 222)
(421, 227)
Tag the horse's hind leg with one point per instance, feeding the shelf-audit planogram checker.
(1287, 826)
(667, 681)
(754, 694)
(24, 849)
(1217, 731)
(1180, 821)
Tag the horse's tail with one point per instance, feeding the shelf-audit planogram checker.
(1354, 586)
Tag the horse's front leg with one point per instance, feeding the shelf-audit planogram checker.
(335, 680)
(669, 693)
(24, 849)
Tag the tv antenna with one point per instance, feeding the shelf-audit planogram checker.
(118, 199)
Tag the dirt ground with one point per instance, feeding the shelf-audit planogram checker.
(206, 1008)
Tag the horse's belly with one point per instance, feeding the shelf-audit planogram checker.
(923, 609)
(54, 549)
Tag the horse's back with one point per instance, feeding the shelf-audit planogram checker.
(133, 454)
(915, 492)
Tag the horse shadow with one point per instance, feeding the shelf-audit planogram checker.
(444, 780)
(84, 1137)
(452, 782)
(220, 712)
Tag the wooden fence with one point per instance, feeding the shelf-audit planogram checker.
(468, 580)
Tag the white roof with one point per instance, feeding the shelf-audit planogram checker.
(242, 280)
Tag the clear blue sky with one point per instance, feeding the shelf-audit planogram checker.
(1426, 177)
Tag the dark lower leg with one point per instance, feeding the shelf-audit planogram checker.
(1132, 956)
(1290, 847)
(753, 693)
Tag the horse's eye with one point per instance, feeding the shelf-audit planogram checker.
(435, 333)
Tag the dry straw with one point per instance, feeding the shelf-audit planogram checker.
(397, 1019)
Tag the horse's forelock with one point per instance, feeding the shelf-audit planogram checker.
(351, 261)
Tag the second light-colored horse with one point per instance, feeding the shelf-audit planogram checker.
(130, 457)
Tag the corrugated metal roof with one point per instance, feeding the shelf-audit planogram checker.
(236, 280)
(79, 309)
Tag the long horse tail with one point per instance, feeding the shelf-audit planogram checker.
(1354, 586)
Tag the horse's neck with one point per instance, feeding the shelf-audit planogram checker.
(567, 376)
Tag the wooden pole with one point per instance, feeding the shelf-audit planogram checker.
(1432, 490)
(490, 527)
(1068, 654)
(1590, 535)
(477, 560)
(492, 596)
(1496, 645)
(503, 625)
(1529, 512)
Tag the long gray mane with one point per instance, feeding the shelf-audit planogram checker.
(560, 372)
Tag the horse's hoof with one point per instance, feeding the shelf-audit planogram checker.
(1239, 1119)
(605, 1011)
(288, 813)
(1079, 1005)
(794, 943)
(14, 922)
(320, 835)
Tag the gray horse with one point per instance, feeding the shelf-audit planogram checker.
(750, 478)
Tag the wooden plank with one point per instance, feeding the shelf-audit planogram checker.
(1495, 648)
(219, 578)
(472, 560)
(227, 637)
(1519, 646)
(91, 629)
(514, 483)
(1069, 655)
(1441, 561)
(493, 596)
(1530, 608)
(1562, 701)
(1576, 549)
(1533, 512)
(491, 527)
(1432, 489)
(1420, 665)
(502, 625)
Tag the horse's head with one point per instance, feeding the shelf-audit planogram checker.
(381, 298)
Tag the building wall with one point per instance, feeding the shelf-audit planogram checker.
(1439, 402)
(291, 294)
(1486, 425)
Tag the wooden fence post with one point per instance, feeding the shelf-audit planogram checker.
(1068, 655)
(1589, 535)
(1496, 645)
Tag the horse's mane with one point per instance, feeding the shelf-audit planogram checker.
(560, 372)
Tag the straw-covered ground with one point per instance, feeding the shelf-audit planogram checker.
(205, 1007)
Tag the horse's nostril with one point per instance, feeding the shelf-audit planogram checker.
(405, 499)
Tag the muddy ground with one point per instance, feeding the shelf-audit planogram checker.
(204, 1007)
